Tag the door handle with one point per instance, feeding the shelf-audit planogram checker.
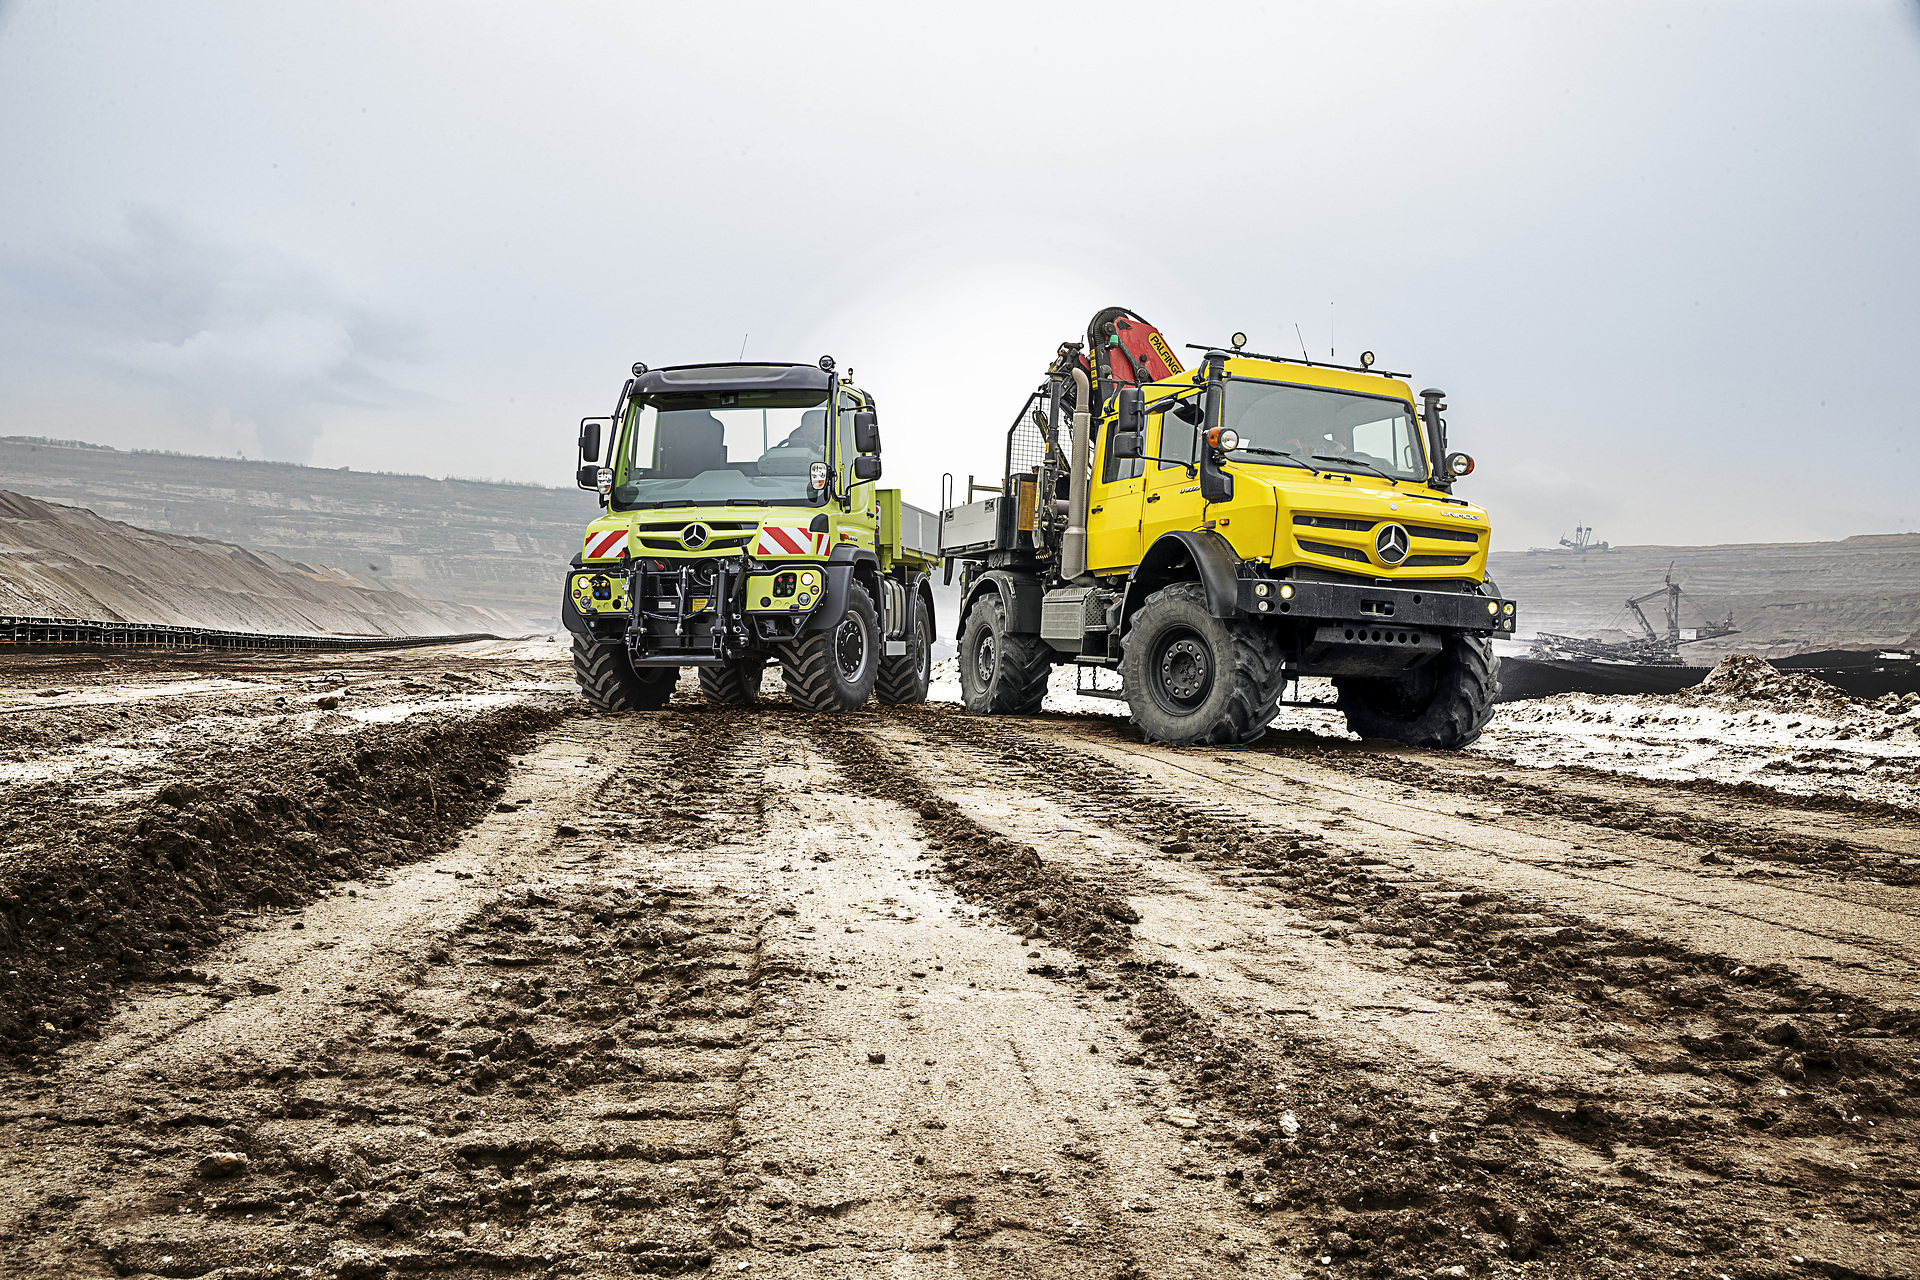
(1096, 511)
(1153, 497)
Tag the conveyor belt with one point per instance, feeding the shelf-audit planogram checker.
(94, 634)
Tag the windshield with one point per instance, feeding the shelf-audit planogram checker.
(1313, 425)
(721, 446)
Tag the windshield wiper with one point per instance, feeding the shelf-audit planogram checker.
(1355, 462)
(1276, 453)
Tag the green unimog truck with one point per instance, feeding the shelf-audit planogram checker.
(742, 524)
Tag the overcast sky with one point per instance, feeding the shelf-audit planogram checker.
(1665, 258)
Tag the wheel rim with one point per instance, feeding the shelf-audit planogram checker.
(983, 658)
(923, 651)
(850, 648)
(1182, 671)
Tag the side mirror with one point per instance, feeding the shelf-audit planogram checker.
(1129, 444)
(866, 432)
(586, 477)
(1132, 407)
(866, 468)
(590, 442)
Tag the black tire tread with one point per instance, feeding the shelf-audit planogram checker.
(733, 684)
(1252, 668)
(804, 663)
(608, 682)
(1458, 712)
(1025, 662)
(903, 680)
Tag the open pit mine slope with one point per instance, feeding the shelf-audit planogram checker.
(494, 546)
(404, 964)
(64, 562)
(1785, 597)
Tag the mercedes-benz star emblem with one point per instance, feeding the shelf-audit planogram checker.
(1391, 544)
(695, 536)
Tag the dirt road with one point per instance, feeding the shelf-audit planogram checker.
(404, 964)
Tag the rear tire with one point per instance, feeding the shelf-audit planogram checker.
(1002, 672)
(905, 679)
(1192, 679)
(734, 684)
(834, 669)
(610, 683)
(1444, 703)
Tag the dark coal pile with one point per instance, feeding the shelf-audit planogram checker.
(1749, 679)
(91, 898)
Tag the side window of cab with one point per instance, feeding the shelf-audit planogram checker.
(1112, 468)
(1179, 435)
(843, 436)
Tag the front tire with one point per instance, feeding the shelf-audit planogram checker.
(834, 669)
(1002, 672)
(1445, 703)
(905, 679)
(610, 683)
(734, 684)
(1192, 679)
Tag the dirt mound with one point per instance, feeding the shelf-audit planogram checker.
(67, 562)
(92, 898)
(1749, 679)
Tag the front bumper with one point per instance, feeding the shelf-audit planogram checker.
(1368, 609)
(673, 613)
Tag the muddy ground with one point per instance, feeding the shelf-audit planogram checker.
(404, 964)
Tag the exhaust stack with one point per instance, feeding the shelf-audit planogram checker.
(1073, 547)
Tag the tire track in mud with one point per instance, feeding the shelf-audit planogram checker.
(550, 1086)
(931, 1102)
(1550, 868)
(1651, 1151)
(1832, 835)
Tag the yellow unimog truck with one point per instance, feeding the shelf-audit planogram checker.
(1210, 535)
(742, 525)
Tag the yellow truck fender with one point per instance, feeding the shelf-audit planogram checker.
(1182, 556)
(1019, 592)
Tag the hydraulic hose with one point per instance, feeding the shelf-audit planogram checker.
(1073, 548)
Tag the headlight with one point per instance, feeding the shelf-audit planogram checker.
(1261, 589)
(1507, 609)
(1493, 606)
(805, 600)
(807, 579)
(1286, 591)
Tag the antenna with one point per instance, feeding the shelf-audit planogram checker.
(1330, 331)
(743, 345)
(1303, 345)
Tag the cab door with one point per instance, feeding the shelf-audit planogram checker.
(857, 525)
(1113, 510)
(1172, 498)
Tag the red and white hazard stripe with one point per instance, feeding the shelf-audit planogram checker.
(787, 540)
(609, 544)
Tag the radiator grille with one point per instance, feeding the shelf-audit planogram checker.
(1328, 549)
(1450, 535)
(1335, 522)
